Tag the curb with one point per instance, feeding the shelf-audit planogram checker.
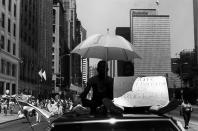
(180, 119)
(11, 121)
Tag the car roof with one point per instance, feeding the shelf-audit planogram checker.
(73, 118)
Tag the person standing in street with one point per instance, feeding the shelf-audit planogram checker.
(186, 109)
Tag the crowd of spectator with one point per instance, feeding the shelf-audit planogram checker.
(55, 105)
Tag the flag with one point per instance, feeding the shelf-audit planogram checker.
(157, 2)
(23, 102)
(40, 73)
(43, 112)
(44, 75)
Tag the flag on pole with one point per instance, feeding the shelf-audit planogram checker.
(40, 73)
(44, 75)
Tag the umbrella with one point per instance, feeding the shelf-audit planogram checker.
(106, 47)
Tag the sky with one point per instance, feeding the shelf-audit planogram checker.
(98, 15)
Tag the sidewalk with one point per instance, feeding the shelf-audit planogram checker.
(9, 117)
(193, 123)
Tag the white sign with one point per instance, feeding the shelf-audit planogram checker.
(146, 91)
(122, 85)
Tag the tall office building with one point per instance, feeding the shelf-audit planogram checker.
(121, 65)
(9, 46)
(59, 47)
(195, 68)
(73, 39)
(84, 61)
(150, 34)
(195, 10)
(35, 46)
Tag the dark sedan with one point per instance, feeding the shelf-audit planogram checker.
(127, 122)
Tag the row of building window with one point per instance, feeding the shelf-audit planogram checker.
(9, 6)
(8, 68)
(9, 24)
(8, 46)
(12, 89)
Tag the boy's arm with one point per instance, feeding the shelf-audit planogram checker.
(83, 95)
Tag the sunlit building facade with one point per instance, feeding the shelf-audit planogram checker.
(9, 46)
(84, 61)
(150, 35)
(59, 48)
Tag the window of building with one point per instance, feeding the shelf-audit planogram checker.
(30, 2)
(53, 39)
(2, 42)
(13, 89)
(8, 68)
(54, 28)
(9, 5)
(3, 66)
(1, 87)
(14, 10)
(3, 2)
(8, 46)
(14, 49)
(54, 16)
(25, 7)
(3, 20)
(9, 25)
(25, 21)
(13, 70)
(14, 30)
(7, 86)
(29, 26)
(25, 37)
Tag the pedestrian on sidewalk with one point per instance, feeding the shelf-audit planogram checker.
(186, 109)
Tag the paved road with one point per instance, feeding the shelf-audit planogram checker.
(193, 121)
(23, 125)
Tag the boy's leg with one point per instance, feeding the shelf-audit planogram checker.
(111, 107)
(91, 104)
(185, 119)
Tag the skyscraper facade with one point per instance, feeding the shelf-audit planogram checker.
(84, 61)
(59, 48)
(9, 46)
(150, 35)
(121, 65)
(195, 10)
(35, 46)
(73, 39)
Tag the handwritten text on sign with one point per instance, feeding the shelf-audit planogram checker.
(146, 91)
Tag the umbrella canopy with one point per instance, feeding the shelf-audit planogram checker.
(106, 47)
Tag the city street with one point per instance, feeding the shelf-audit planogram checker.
(193, 121)
(23, 125)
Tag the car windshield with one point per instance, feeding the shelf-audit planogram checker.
(97, 58)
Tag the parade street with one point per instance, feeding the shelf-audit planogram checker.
(15, 124)
(23, 125)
